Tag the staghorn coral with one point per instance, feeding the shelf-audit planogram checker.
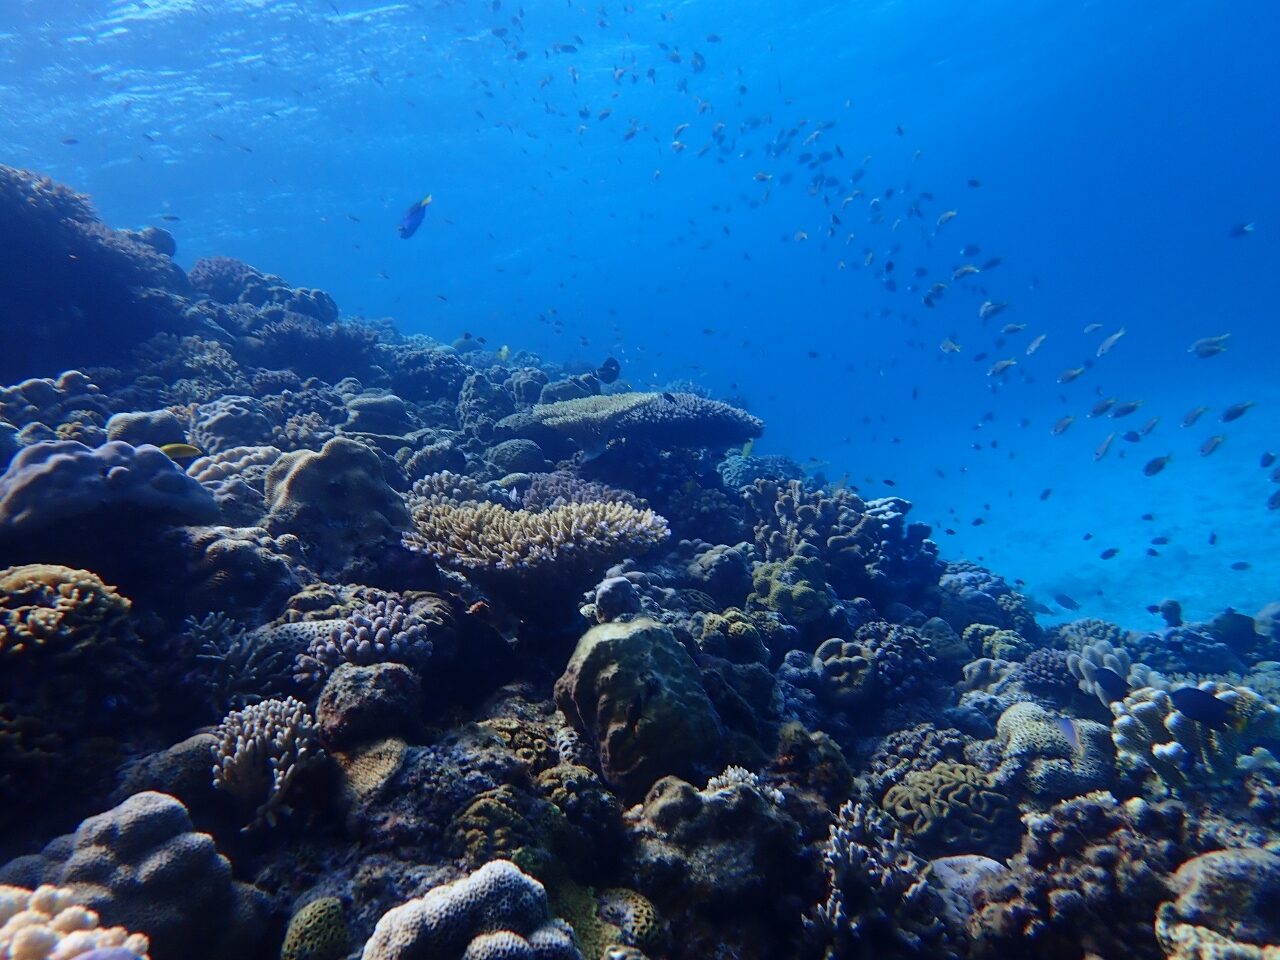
(1171, 751)
(261, 751)
(49, 924)
(477, 917)
(236, 667)
(954, 808)
(878, 902)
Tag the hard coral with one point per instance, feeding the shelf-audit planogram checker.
(496, 912)
(49, 924)
(954, 808)
(261, 751)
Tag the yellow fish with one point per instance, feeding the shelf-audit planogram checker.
(504, 353)
(748, 447)
(181, 451)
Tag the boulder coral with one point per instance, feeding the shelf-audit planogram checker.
(633, 691)
(494, 913)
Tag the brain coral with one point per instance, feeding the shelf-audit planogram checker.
(954, 808)
(497, 912)
(318, 931)
(49, 924)
(1041, 757)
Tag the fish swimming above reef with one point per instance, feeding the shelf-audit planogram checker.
(1066, 376)
(1105, 347)
(1202, 706)
(413, 217)
(1236, 411)
(1156, 464)
(1207, 347)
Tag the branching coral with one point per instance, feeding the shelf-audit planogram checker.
(261, 751)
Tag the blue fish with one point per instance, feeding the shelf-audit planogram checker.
(412, 218)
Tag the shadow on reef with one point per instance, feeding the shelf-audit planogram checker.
(319, 641)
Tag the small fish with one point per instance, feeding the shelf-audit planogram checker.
(1068, 375)
(1159, 541)
(1201, 706)
(1103, 447)
(949, 346)
(963, 271)
(1147, 427)
(948, 215)
(1101, 407)
(504, 353)
(1236, 411)
(1045, 494)
(1105, 347)
(990, 308)
(1108, 553)
(1068, 728)
(1124, 408)
(748, 447)
(973, 183)
(1267, 460)
(1066, 602)
(669, 397)
(1212, 444)
(762, 177)
(1035, 344)
(1241, 565)
(413, 217)
(1011, 328)
(1207, 347)
(608, 371)
(1000, 366)
(1061, 426)
(1242, 229)
(181, 451)
(1111, 683)
(1273, 501)
(1194, 415)
(1131, 436)
(1156, 464)
(1092, 328)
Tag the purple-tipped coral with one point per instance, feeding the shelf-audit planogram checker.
(386, 631)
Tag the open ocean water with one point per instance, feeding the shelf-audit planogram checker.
(746, 197)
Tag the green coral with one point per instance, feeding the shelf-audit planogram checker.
(527, 741)
(618, 923)
(318, 931)
(954, 808)
(795, 587)
(737, 636)
(986, 640)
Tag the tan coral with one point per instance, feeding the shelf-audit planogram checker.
(48, 924)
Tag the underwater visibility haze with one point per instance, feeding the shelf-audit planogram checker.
(594, 479)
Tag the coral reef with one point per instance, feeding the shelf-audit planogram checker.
(48, 924)
(496, 912)
(260, 753)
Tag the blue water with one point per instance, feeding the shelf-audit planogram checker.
(1116, 145)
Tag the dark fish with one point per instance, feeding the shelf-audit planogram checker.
(1273, 501)
(1131, 436)
(608, 371)
(412, 218)
(1240, 565)
(669, 397)
(1212, 444)
(974, 183)
(1062, 600)
(1236, 411)
(1044, 494)
(1159, 541)
(1111, 683)
(1108, 553)
(1157, 464)
(1201, 706)
(1124, 408)
(1193, 415)
(1267, 460)
(1102, 406)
